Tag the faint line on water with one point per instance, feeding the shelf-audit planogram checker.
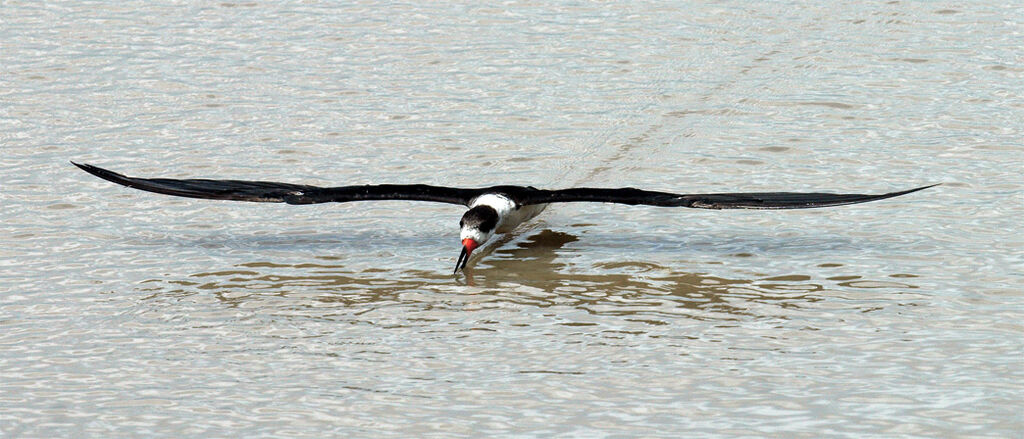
(554, 372)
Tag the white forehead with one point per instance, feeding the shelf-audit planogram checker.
(474, 234)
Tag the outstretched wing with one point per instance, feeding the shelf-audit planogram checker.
(752, 200)
(273, 192)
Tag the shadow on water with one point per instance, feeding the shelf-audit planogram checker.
(534, 272)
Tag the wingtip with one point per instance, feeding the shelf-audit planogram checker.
(905, 192)
(83, 166)
(86, 167)
(103, 173)
(922, 188)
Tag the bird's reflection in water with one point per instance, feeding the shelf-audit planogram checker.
(534, 272)
(631, 288)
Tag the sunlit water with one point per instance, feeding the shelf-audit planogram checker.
(128, 314)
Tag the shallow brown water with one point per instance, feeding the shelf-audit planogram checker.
(127, 314)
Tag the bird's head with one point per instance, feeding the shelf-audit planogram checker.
(477, 226)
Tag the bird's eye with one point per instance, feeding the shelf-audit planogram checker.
(461, 223)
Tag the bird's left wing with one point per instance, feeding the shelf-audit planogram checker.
(749, 200)
(273, 192)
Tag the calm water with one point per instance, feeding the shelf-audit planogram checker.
(127, 314)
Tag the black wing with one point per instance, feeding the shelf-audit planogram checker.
(272, 192)
(752, 200)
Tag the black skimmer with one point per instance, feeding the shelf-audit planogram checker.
(495, 209)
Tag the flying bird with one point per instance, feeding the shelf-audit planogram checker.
(495, 209)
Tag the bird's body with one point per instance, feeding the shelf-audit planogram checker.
(510, 214)
(495, 209)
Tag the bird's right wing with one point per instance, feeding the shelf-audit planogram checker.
(749, 200)
(273, 192)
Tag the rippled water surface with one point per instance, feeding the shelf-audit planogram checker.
(130, 314)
